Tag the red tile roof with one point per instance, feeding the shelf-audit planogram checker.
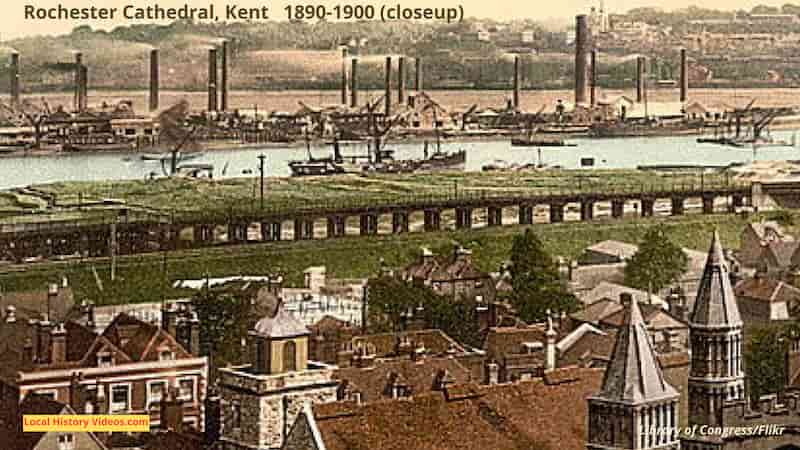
(549, 414)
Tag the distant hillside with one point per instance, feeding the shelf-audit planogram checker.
(272, 55)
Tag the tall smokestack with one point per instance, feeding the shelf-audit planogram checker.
(78, 83)
(516, 82)
(684, 76)
(354, 83)
(84, 99)
(418, 75)
(582, 49)
(154, 80)
(14, 79)
(593, 80)
(212, 79)
(401, 81)
(387, 101)
(224, 80)
(344, 75)
(640, 62)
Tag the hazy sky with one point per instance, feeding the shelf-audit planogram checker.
(13, 23)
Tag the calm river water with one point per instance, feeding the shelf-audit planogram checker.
(607, 153)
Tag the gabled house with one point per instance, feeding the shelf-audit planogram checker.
(124, 370)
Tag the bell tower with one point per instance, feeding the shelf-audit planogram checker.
(716, 377)
(636, 409)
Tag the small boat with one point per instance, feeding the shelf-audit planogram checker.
(168, 156)
(540, 141)
(315, 167)
(110, 147)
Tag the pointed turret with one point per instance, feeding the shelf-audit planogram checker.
(634, 375)
(635, 400)
(716, 375)
(715, 306)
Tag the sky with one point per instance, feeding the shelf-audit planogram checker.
(14, 25)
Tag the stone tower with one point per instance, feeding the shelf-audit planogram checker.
(260, 402)
(716, 378)
(636, 408)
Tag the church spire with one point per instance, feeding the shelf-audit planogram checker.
(636, 408)
(634, 375)
(715, 306)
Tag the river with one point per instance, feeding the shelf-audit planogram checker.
(607, 154)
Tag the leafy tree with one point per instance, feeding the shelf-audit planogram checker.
(458, 319)
(657, 264)
(225, 320)
(536, 282)
(765, 357)
(390, 298)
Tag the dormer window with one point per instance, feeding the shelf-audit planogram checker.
(105, 359)
(66, 442)
(166, 355)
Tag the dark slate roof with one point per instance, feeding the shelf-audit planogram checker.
(715, 305)
(634, 375)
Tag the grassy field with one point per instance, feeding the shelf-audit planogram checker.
(185, 196)
(148, 277)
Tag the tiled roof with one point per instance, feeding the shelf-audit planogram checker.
(549, 414)
(782, 252)
(384, 345)
(611, 291)
(634, 375)
(715, 305)
(622, 250)
(420, 376)
(768, 290)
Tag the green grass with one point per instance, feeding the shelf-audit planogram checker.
(187, 198)
(142, 278)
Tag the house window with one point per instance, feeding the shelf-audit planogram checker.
(66, 442)
(290, 356)
(155, 392)
(186, 389)
(166, 355)
(120, 398)
(236, 415)
(51, 394)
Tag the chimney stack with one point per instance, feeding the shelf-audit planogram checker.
(550, 347)
(582, 49)
(14, 76)
(401, 81)
(58, 344)
(387, 100)
(43, 340)
(84, 100)
(593, 80)
(684, 76)
(418, 74)
(212, 79)
(171, 411)
(640, 69)
(344, 75)
(154, 79)
(354, 83)
(516, 82)
(224, 80)
(78, 82)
